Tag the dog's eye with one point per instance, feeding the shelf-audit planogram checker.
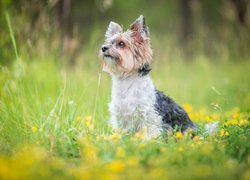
(121, 44)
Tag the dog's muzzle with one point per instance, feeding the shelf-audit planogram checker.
(104, 48)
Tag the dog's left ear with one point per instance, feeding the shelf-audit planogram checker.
(139, 29)
(113, 28)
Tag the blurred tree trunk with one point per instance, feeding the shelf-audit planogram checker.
(68, 43)
(186, 27)
(241, 11)
(64, 16)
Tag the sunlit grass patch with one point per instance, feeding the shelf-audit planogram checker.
(48, 128)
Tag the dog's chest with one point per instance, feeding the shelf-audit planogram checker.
(132, 100)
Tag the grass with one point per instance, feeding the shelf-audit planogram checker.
(54, 122)
(48, 130)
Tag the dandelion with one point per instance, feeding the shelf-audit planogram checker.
(89, 151)
(34, 129)
(196, 138)
(139, 135)
(192, 116)
(89, 122)
(116, 166)
(236, 115)
(188, 107)
(208, 119)
(243, 122)
(179, 135)
(223, 133)
(115, 137)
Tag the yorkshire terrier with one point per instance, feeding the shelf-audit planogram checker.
(136, 104)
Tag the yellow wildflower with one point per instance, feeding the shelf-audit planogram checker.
(196, 138)
(89, 122)
(215, 117)
(139, 135)
(115, 137)
(243, 122)
(187, 107)
(208, 119)
(222, 132)
(179, 135)
(192, 116)
(116, 166)
(236, 116)
(34, 129)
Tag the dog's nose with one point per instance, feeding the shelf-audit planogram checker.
(104, 48)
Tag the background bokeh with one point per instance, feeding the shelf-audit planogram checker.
(68, 29)
(54, 98)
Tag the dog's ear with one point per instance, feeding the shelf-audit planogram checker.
(139, 29)
(113, 28)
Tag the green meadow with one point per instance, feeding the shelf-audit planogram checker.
(54, 123)
(54, 119)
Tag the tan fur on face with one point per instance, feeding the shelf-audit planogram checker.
(129, 59)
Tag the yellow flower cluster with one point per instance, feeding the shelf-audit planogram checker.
(234, 117)
(117, 154)
(85, 123)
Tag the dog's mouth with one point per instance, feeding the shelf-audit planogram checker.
(108, 56)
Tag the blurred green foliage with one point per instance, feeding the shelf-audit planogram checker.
(68, 29)
(48, 128)
(53, 112)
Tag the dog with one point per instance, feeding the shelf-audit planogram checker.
(136, 104)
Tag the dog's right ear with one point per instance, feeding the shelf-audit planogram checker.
(113, 28)
(139, 29)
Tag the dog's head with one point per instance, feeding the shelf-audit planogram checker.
(126, 53)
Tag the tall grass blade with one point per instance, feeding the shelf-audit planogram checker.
(11, 34)
(97, 94)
